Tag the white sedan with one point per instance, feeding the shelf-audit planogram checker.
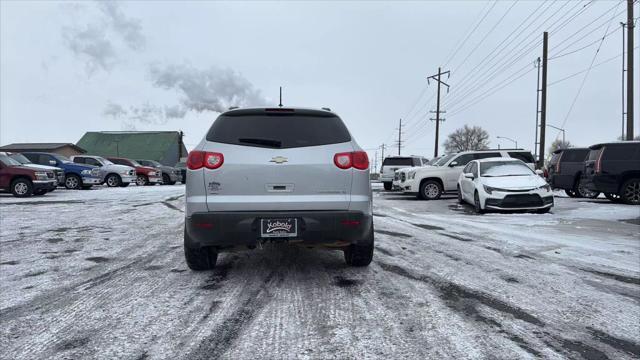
(503, 184)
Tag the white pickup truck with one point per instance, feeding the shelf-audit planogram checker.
(430, 182)
(393, 163)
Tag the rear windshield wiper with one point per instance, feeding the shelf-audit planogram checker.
(264, 142)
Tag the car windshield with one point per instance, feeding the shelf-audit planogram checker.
(20, 158)
(62, 158)
(443, 160)
(7, 160)
(135, 163)
(434, 161)
(504, 168)
(103, 160)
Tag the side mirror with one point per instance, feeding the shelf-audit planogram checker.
(540, 172)
(453, 164)
(52, 162)
(469, 176)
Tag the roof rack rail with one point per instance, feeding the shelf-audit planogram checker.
(233, 107)
(326, 108)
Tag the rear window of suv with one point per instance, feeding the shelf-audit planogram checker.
(278, 131)
(398, 162)
(522, 155)
(574, 155)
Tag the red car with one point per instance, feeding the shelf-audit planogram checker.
(144, 175)
(24, 181)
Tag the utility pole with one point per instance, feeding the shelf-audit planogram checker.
(436, 77)
(536, 142)
(382, 146)
(630, 64)
(543, 107)
(399, 137)
(180, 136)
(622, 25)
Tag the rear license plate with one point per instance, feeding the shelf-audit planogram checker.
(287, 227)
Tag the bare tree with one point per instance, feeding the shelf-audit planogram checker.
(558, 144)
(467, 138)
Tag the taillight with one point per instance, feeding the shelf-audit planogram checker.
(355, 159)
(200, 159)
(598, 166)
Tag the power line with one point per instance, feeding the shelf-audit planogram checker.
(586, 75)
(521, 53)
(586, 69)
(449, 58)
(583, 47)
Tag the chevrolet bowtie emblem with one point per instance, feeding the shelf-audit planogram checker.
(279, 160)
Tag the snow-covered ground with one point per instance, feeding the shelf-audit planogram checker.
(101, 274)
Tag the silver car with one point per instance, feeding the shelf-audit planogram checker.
(113, 175)
(170, 175)
(285, 175)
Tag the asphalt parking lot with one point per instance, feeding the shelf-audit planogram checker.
(101, 274)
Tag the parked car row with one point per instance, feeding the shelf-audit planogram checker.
(612, 169)
(23, 174)
(507, 180)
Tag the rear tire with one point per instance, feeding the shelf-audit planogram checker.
(581, 191)
(430, 190)
(460, 200)
(570, 193)
(21, 188)
(630, 193)
(360, 255)
(387, 186)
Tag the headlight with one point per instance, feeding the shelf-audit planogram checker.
(85, 172)
(41, 175)
(125, 172)
(545, 187)
(152, 173)
(489, 189)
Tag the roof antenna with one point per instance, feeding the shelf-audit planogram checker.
(280, 105)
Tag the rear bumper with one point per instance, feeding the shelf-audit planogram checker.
(230, 229)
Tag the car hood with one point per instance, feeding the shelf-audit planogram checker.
(514, 182)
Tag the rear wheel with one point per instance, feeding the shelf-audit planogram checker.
(476, 204)
(72, 182)
(113, 180)
(571, 193)
(387, 186)
(360, 255)
(460, 200)
(21, 188)
(198, 259)
(630, 193)
(582, 191)
(430, 190)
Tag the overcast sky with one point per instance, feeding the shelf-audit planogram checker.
(67, 68)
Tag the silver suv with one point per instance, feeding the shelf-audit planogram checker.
(285, 175)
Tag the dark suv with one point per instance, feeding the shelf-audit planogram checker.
(565, 172)
(614, 169)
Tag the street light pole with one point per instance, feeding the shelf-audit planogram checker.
(557, 128)
(506, 138)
